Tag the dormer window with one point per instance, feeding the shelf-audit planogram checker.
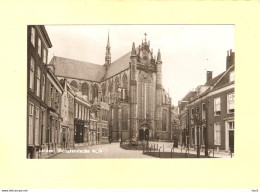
(232, 76)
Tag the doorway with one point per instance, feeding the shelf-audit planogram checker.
(231, 140)
(230, 136)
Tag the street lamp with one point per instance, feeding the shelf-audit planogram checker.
(206, 131)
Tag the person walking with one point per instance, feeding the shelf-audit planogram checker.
(109, 139)
(64, 143)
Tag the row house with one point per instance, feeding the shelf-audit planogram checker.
(67, 112)
(90, 117)
(211, 110)
(57, 116)
(104, 124)
(54, 93)
(38, 43)
(81, 119)
(183, 118)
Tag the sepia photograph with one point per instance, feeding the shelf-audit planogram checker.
(130, 91)
(129, 95)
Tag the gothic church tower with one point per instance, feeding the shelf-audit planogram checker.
(133, 93)
(108, 54)
(158, 112)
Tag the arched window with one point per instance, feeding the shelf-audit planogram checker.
(110, 88)
(116, 84)
(85, 89)
(74, 84)
(145, 96)
(124, 80)
(124, 119)
(104, 89)
(164, 120)
(94, 91)
(124, 90)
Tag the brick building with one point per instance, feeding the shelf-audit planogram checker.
(54, 91)
(81, 119)
(38, 43)
(67, 113)
(213, 107)
(183, 117)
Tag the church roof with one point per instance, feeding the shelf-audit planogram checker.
(71, 68)
(118, 65)
(77, 69)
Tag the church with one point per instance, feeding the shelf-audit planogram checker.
(131, 86)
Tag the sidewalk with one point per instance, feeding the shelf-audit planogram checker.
(167, 146)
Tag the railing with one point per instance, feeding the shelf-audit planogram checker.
(160, 151)
(211, 150)
(187, 152)
(172, 151)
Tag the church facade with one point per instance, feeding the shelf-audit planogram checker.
(130, 86)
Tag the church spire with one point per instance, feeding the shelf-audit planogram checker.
(108, 43)
(133, 52)
(159, 55)
(108, 54)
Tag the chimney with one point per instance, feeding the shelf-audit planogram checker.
(209, 75)
(230, 59)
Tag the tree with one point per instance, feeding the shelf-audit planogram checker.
(198, 123)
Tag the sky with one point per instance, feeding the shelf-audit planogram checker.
(187, 51)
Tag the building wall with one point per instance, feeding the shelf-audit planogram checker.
(36, 100)
(81, 121)
(222, 118)
(54, 130)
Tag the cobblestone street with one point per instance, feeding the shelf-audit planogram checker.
(113, 150)
(101, 151)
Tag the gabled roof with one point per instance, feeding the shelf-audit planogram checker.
(214, 80)
(57, 82)
(46, 36)
(118, 65)
(77, 69)
(189, 95)
(224, 80)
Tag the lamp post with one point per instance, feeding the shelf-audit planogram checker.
(206, 131)
(198, 140)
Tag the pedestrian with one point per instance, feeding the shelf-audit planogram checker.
(109, 139)
(64, 142)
